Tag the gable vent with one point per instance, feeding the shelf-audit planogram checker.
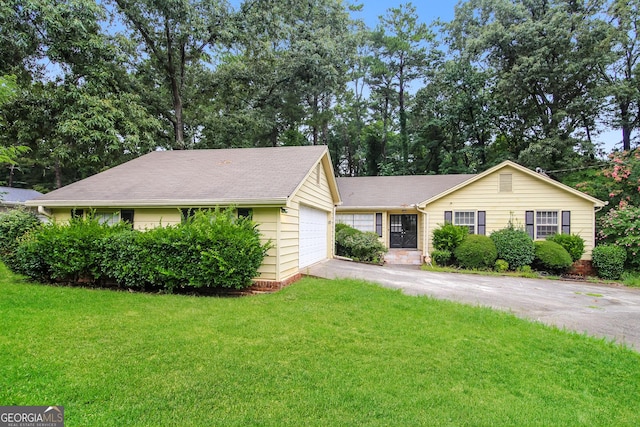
(506, 183)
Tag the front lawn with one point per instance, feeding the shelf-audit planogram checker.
(320, 352)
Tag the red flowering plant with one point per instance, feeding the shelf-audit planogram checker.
(624, 178)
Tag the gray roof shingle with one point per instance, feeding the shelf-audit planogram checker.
(394, 191)
(195, 176)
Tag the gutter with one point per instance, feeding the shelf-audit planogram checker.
(425, 251)
(276, 202)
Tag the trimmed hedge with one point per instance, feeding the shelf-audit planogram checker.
(361, 246)
(514, 246)
(609, 260)
(572, 243)
(14, 224)
(212, 249)
(551, 257)
(441, 257)
(476, 252)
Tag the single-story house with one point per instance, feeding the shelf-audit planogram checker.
(11, 198)
(295, 199)
(290, 192)
(404, 210)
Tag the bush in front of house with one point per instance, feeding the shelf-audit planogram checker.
(501, 266)
(68, 252)
(212, 249)
(572, 243)
(514, 246)
(448, 237)
(621, 226)
(441, 257)
(476, 252)
(358, 245)
(609, 261)
(551, 257)
(14, 224)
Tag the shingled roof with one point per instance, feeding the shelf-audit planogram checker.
(258, 176)
(394, 191)
(17, 196)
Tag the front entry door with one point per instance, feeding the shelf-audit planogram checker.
(404, 231)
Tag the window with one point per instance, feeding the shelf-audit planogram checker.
(245, 213)
(546, 223)
(186, 214)
(540, 224)
(362, 222)
(126, 215)
(107, 217)
(466, 218)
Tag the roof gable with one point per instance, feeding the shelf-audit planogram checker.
(526, 171)
(196, 178)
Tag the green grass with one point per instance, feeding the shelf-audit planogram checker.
(318, 353)
(631, 279)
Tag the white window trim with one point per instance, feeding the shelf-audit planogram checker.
(536, 224)
(341, 218)
(475, 220)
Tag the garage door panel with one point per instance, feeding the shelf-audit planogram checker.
(313, 242)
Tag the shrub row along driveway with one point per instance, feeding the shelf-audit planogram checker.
(599, 310)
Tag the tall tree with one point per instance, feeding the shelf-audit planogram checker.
(172, 39)
(402, 44)
(621, 75)
(546, 58)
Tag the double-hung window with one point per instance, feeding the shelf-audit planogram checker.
(475, 221)
(541, 224)
(363, 222)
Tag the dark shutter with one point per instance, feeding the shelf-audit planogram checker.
(379, 224)
(77, 213)
(528, 220)
(482, 222)
(448, 217)
(245, 213)
(126, 215)
(566, 222)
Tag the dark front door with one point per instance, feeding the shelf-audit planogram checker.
(404, 231)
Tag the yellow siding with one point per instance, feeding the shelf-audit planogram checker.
(528, 193)
(313, 192)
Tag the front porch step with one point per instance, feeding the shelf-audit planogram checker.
(403, 257)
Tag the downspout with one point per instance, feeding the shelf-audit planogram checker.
(44, 212)
(425, 247)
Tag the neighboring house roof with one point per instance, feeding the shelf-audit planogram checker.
(474, 178)
(368, 192)
(247, 176)
(16, 196)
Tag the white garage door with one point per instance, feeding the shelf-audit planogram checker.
(313, 236)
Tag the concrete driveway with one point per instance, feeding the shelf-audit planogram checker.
(606, 311)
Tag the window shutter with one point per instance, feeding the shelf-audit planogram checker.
(126, 215)
(528, 220)
(448, 217)
(379, 224)
(482, 220)
(566, 222)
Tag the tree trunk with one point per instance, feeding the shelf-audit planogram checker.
(626, 126)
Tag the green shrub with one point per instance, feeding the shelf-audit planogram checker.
(448, 237)
(572, 243)
(476, 252)
(441, 257)
(67, 252)
(212, 249)
(361, 246)
(551, 257)
(609, 260)
(514, 246)
(342, 232)
(501, 266)
(621, 226)
(13, 225)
